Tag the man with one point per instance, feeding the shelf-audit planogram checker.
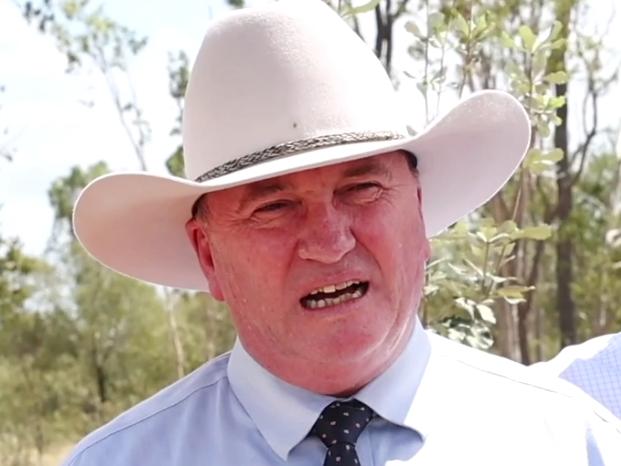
(307, 211)
(594, 366)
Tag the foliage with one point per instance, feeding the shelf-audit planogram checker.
(64, 192)
(178, 75)
(521, 47)
(468, 270)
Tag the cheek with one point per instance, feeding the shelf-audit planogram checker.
(397, 243)
(251, 265)
(391, 234)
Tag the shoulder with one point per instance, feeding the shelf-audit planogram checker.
(166, 416)
(479, 362)
(501, 378)
(605, 349)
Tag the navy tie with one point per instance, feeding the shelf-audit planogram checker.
(338, 427)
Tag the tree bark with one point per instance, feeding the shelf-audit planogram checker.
(564, 248)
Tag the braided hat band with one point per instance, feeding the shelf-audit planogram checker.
(295, 147)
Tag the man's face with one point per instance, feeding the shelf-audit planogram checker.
(323, 269)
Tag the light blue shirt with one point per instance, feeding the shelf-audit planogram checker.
(594, 366)
(439, 404)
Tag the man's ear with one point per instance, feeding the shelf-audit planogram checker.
(200, 242)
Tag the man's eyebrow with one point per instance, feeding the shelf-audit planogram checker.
(259, 190)
(373, 167)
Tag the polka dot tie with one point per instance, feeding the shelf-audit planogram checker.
(338, 427)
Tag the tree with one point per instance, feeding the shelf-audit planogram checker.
(88, 37)
(463, 46)
(31, 350)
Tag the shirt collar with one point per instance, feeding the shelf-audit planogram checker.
(391, 395)
(284, 413)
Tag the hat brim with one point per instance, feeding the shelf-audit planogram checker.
(134, 222)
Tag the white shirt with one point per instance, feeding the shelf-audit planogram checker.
(594, 366)
(439, 404)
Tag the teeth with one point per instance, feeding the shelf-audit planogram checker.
(325, 302)
(333, 288)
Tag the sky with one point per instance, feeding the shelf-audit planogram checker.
(55, 120)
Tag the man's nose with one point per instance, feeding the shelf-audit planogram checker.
(326, 235)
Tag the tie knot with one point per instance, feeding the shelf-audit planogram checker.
(342, 422)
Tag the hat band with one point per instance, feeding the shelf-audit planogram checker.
(295, 147)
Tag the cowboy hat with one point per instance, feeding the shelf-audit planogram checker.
(280, 89)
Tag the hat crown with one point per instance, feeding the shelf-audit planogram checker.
(285, 72)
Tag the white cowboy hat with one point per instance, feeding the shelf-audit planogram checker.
(279, 89)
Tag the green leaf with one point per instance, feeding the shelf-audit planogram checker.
(514, 291)
(558, 77)
(533, 155)
(557, 102)
(486, 313)
(508, 226)
(538, 162)
(413, 28)
(557, 27)
(506, 40)
(528, 38)
(514, 300)
(435, 20)
(477, 252)
(555, 155)
(557, 44)
(481, 23)
(461, 25)
(478, 270)
(364, 8)
(496, 279)
(460, 228)
(467, 305)
(499, 238)
(540, 232)
(458, 270)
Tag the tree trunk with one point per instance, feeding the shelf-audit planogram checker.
(564, 248)
(100, 378)
(505, 335)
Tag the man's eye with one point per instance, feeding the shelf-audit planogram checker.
(273, 207)
(360, 187)
(361, 193)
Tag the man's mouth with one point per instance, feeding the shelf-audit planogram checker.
(331, 295)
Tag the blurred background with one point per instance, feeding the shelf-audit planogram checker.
(92, 86)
